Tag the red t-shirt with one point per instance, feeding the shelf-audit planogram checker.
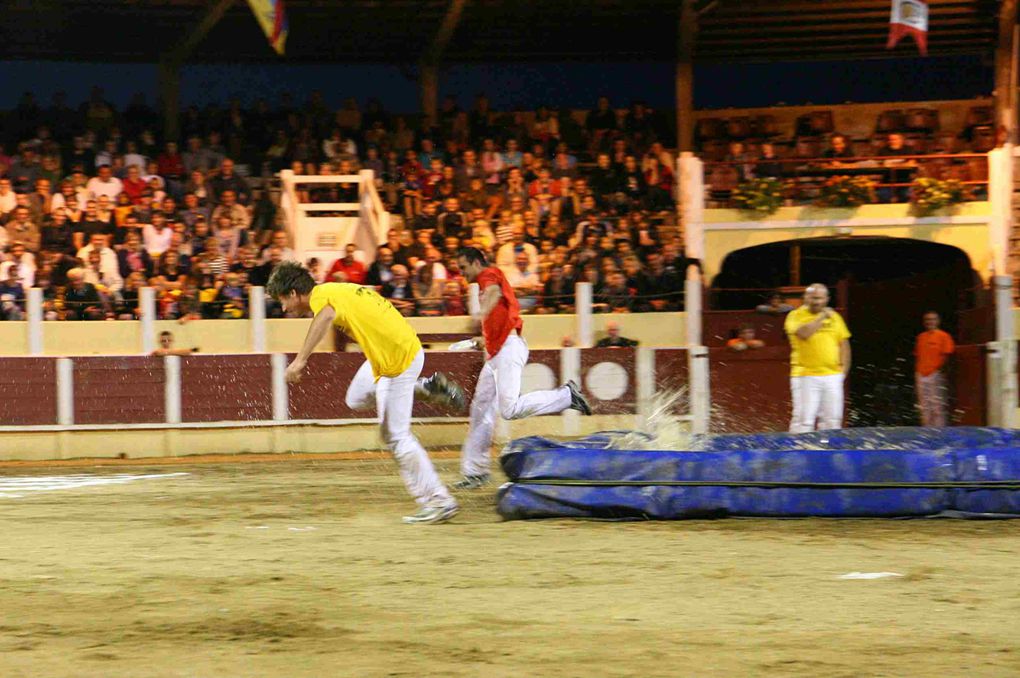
(505, 317)
(355, 271)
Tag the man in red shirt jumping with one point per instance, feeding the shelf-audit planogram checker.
(499, 385)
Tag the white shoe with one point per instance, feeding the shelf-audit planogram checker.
(433, 514)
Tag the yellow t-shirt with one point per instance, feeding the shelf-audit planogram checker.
(818, 355)
(388, 340)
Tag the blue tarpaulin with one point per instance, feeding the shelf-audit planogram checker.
(844, 473)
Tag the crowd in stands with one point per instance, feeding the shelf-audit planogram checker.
(94, 206)
(910, 144)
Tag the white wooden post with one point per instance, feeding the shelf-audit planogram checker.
(147, 305)
(172, 389)
(474, 304)
(257, 318)
(281, 400)
(65, 392)
(584, 330)
(1000, 195)
(691, 205)
(33, 305)
(1003, 389)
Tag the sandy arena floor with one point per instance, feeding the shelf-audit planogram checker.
(302, 568)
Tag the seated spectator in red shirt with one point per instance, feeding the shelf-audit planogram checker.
(347, 268)
(744, 340)
(453, 299)
(170, 163)
(134, 185)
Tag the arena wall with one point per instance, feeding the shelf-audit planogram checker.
(145, 406)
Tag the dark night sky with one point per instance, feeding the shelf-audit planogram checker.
(526, 85)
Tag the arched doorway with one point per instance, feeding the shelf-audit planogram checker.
(884, 285)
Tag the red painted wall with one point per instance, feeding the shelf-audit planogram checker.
(119, 390)
(226, 388)
(28, 391)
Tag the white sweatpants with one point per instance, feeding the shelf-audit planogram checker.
(932, 398)
(498, 392)
(393, 397)
(816, 400)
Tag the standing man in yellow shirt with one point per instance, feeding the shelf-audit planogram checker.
(388, 379)
(819, 362)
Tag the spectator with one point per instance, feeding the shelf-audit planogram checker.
(453, 299)
(399, 291)
(228, 180)
(19, 266)
(133, 258)
(170, 164)
(614, 339)
(8, 201)
(525, 282)
(81, 299)
(615, 295)
(819, 362)
(381, 270)
(260, 275)
(279, 239)
(134, 185)
(745, 340)
(838, 149)
(12, 296)
(931, 351)
(347, 268)
(230, 208)
(21, 229)
(776, 305)
(104, 183)
(157, 235)
(557, 293)
(56, 234)
(428, 292)
(98, 243)
(166, 346)
(229, 237)
(506, 256)
(106, 280)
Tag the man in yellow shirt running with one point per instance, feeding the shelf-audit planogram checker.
(819, 362)
(388, 378)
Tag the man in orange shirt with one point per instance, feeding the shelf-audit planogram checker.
(931, 351)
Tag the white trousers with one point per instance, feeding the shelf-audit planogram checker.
(393, 397)
(816, 400)
(932, 398)
(498, 393)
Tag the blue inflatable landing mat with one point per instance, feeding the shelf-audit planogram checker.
(845, 473)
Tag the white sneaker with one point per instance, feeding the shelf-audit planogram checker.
(433, 514)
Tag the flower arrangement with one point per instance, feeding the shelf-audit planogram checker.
(844, 191)
(764, 195)
(928, 194)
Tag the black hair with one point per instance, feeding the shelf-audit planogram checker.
(473, 255)
(166, 333)
(288, 277)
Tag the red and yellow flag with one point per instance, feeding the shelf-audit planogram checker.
(272, 17)
(909, 17)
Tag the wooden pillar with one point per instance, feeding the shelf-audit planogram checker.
(428, 92)
(171, 62)
(687, 33)
(1006, 70)
(170, 98)
(428, 67)
(795, 265)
